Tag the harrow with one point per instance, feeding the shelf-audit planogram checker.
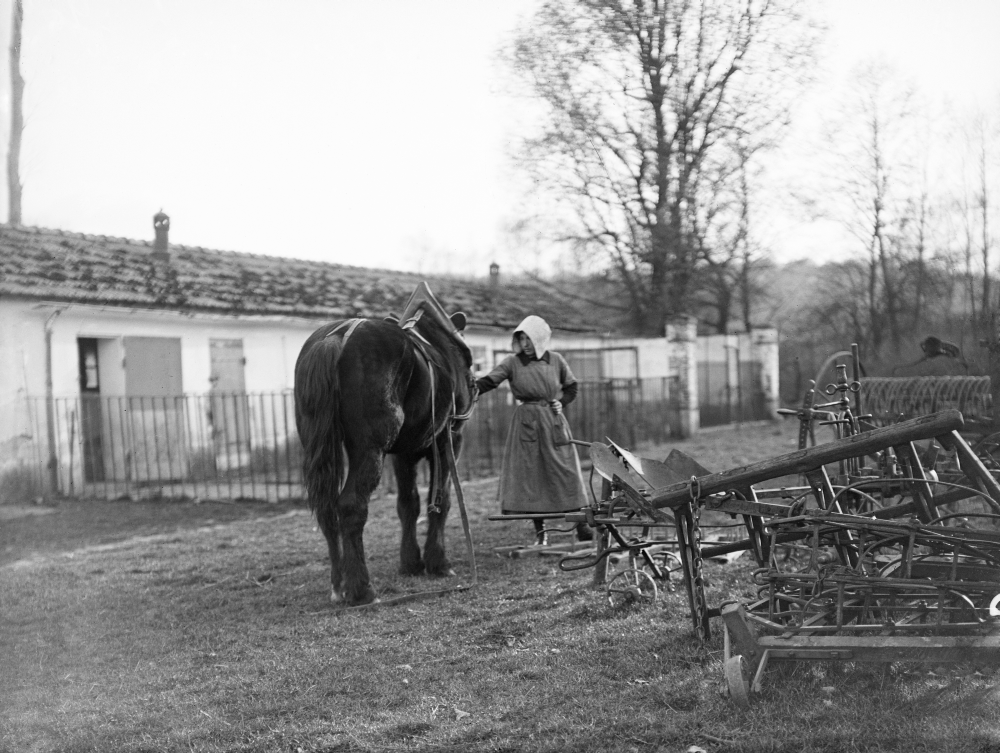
(855, 563)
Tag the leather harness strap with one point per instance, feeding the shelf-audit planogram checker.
(421, 345)
(439, 476)
(433, 504)
(350, 325)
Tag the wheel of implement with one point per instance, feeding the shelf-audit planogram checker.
(667, 562)
(631, 587)
(738, 680)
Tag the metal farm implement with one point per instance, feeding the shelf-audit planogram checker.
(853, 566)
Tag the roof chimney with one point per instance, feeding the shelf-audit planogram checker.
(494, 284)
(161, 224)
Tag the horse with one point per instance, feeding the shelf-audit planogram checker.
(366, 388)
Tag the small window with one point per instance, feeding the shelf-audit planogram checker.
(478, 358)
(499, 355)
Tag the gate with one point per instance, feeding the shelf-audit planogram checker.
(730, 383)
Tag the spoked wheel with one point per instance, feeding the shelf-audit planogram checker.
(667, 562)
(689, 540)
(738, 680)
(631, 587)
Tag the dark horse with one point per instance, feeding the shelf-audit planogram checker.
(365, 388)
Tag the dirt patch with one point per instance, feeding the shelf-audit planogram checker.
(45, 530)
(28, 531)
(10, 512)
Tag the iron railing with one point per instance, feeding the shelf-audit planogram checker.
(223, 446)
(726, 398)
(245, 445)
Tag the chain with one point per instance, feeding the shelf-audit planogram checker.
(693, 515)
(694, 488)
(698, 574)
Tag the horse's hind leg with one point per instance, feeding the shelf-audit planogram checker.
(352, 509)
(326, 517)
(408, 509)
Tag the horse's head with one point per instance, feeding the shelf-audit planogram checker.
(466, 393)
(447, 334)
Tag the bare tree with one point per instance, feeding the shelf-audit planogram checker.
(975, 208)
(982, 203)
(648, 103)
(871, 187)
(16, 118)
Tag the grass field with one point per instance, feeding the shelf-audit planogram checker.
(193, 628)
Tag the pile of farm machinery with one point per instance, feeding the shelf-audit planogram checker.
(881, 545)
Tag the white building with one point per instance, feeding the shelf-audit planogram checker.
(107, 343)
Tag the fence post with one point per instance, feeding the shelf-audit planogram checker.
(682, 338)
(50, 410)
(765, 351)
(632, 413)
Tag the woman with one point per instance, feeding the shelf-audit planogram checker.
(536, 475)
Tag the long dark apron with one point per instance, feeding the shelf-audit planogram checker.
(537, 476)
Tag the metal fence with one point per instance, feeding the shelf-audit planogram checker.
(245, 446)
(730, 393)
(629, 411)
(221, 446)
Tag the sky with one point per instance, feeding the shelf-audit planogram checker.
(373, 134)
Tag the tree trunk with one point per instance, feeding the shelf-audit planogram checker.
(984, 206)
(16, 118)
(918, 311)
(992, 344)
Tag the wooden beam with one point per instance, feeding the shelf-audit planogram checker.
(812, 458)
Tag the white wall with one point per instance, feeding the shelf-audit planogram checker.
(270, 346)
(654, 361)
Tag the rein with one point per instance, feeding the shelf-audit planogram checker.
(468, 414)
(437, 478)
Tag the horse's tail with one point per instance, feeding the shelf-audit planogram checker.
(317, 416)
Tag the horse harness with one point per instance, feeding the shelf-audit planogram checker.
(433, 505)
(421, 345)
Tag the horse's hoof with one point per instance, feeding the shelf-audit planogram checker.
(367, 597)
(335, 596)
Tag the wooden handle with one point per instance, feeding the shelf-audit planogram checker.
(812, 458)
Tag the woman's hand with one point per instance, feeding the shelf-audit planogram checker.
(556, 407)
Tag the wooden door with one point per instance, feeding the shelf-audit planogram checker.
(155, 407)
(229, 412)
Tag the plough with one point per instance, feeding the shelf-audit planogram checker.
(857, 565)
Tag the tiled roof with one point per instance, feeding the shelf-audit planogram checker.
(54, 265)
